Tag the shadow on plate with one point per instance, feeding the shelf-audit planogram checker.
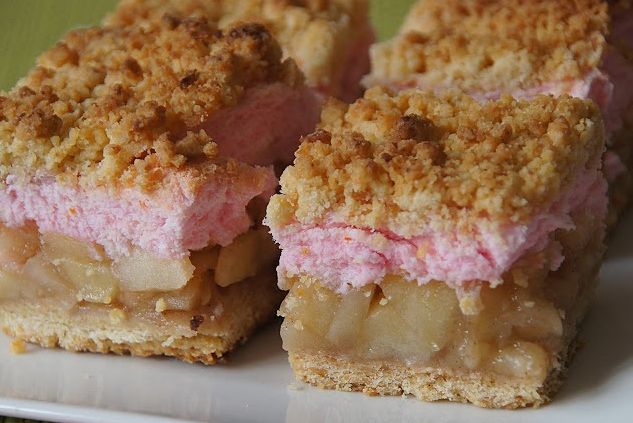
(620, 242)
(263, 347)
(607, 334)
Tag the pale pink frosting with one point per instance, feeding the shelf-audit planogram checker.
(168, 223)
(264, 128)
(342, 256)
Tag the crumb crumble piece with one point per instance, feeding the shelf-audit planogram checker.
(17, 346)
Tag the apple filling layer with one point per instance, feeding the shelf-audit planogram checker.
(520, 328)
(77, 274)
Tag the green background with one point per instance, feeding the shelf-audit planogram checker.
(28, 27)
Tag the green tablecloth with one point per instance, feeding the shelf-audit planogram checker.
(28, 27)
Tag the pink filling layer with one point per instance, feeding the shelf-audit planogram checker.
(263, 129)
(168, 223)
(343, 257)
(266, 126)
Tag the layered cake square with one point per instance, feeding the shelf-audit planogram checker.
(442, 247)
(583, 48)
(328, 39)
(136, 163)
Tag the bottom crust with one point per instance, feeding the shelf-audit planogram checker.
(245, 306)
(428, 384)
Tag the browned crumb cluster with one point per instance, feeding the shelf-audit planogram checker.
(480, 45)
(316, 33)
(392, 160)
(114, 105)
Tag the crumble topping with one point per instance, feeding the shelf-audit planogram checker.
(112, 106)
(527, 19)
(17, 346)
(479, 45)
(313, 32)
(391, 161)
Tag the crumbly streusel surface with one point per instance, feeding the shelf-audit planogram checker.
(313, 32)
(392, 160)
(528, 19)
(480, 45)
(104, 103)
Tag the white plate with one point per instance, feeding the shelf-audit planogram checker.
(257, 384)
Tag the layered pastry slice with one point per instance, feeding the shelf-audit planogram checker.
(328, 39)
(440, 247)
(582, 48)
(135, 168)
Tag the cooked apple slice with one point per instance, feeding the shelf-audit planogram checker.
(522, 359)
(40, 270)
(349, 317)
(245, 257)
(94, 283)
(17, 245)
(141, 271)
(430, 310)
(61, 246)
(14, 286)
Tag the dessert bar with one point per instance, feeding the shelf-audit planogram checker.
(442, 247)
(135, 167)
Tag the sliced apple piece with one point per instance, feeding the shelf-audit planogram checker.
(18, 245)
(245, 257)
(45, 274)
(191, 296)
(349, 317)
(94, 283)
(61, 246)
(14, 286)
(141, 271)
(431, 310)
(522, 359)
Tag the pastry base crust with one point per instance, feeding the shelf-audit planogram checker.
(486, 390)
(246, 306)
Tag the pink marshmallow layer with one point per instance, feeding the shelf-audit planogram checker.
(264, 128)
(344, 257)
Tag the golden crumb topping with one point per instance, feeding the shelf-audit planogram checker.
(392, 161)
(480, 45)
(316, 33)
(118, 105)
(564, 20)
